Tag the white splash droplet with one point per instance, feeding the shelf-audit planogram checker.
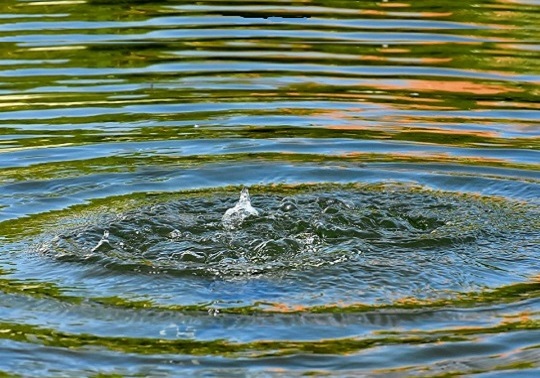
(234, 216)
(104, 242)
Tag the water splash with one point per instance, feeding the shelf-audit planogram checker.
(376, 235)
(103, 244)
(236, 215)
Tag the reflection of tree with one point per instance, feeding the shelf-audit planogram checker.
(457, 55)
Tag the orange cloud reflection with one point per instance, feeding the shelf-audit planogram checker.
(449, 86)
(394, 5)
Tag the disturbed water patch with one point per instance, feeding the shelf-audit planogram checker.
(378, 234)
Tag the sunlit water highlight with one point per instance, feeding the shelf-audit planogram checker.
(391, 151)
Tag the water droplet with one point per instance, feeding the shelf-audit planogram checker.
(174, 234)
(288, 204)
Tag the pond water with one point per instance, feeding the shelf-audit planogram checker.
(269, 188)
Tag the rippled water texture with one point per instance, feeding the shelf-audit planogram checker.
(391, 154)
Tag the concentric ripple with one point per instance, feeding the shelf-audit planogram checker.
(412, 240)
(391, 150)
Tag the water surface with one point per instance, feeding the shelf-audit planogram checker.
(391, 151)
